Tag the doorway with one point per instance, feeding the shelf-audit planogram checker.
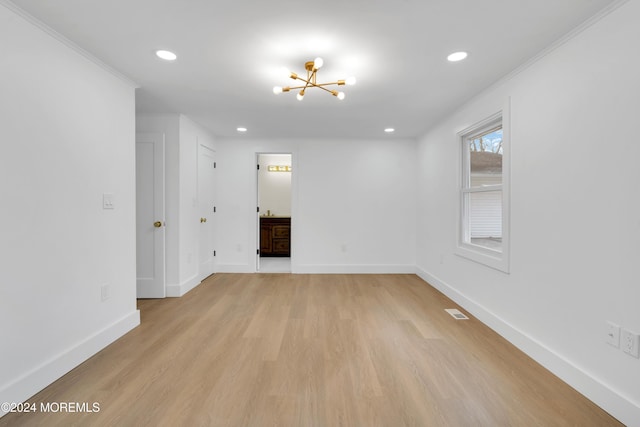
(274, 178)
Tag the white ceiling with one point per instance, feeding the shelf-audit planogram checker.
(231, 54)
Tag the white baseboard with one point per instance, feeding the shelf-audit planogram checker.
(40, 377)
(353, 269)
(235, 268)
(328, 268)
(182, 288)
(608, 399)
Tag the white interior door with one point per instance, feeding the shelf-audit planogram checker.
(150, 226)
(206, 204)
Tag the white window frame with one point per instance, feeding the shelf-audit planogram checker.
(498, 260)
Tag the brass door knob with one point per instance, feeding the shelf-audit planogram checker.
(157, 224)
(203, 220)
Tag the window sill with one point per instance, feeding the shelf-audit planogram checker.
(485, 256)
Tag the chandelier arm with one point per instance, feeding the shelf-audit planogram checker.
(319, 86)
(307, 82)
(324, 88)
(299, 87)
(327, 84)
(311, 81)
(310, 77)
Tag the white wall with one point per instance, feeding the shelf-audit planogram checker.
(67, 137)
(353, 204)
(575, 211)
(274, 187)
(182, 136)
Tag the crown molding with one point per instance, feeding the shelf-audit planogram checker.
(563, 39)
(533, 60)
(65, 41)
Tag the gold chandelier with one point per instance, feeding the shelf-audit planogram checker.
(312, 68)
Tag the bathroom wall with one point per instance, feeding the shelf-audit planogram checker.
(274, 188)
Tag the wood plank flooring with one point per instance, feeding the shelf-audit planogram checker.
(312, 350)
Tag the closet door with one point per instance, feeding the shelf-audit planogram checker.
(150, 225)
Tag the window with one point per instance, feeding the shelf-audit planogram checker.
(483, 235)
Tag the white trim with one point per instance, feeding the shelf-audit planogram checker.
(478, 126)
(481, 255)
(65, 41)
(484, 188)
(498, 260)
(294, 205)
(184, 287)
(235, 268)
(573, 33)
(615, 403)
(329, 268)
(537, 57)
(43, 375)
(353, 269)
(540, 55)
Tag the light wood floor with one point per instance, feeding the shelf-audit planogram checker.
(312, 350)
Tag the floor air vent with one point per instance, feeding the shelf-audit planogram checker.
(456, 314)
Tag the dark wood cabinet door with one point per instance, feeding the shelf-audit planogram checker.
(265, 239)
(275, 236)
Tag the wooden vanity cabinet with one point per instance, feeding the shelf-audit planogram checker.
(275, 236)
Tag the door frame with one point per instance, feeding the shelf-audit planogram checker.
(292, 197)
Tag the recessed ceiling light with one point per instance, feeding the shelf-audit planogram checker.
(389, 130)
(166, 55)
(457, 56)
(241, 129)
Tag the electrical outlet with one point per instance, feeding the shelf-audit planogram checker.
(108, 201)
(630, 342)
(613, 334)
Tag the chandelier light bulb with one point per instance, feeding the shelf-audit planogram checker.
(300, 95)
(340, 96)
(277, 90)
(350, 81)
(318, 63)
